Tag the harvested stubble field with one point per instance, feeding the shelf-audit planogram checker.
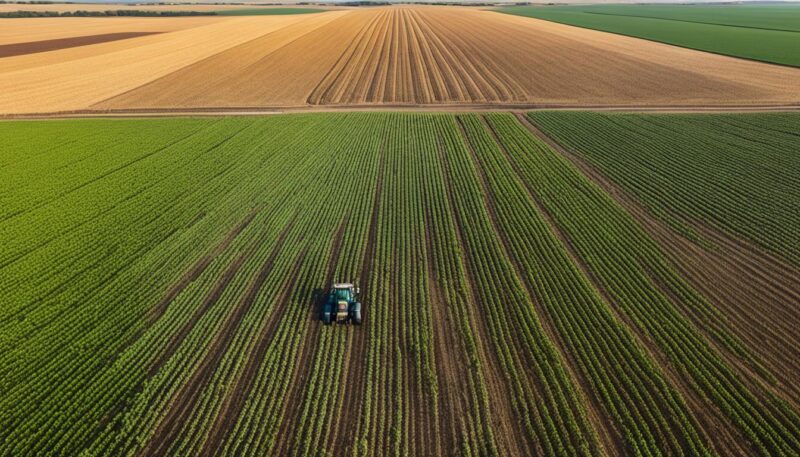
(404, 55)
(524, 294)
(63, 7)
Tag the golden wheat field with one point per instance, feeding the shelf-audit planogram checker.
(62, 7)
(399, 55)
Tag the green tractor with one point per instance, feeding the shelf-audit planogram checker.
(342, 305)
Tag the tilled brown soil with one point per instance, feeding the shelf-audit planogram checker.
(433, 55)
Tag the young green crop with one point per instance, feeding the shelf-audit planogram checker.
(761, 32)
(161, 282)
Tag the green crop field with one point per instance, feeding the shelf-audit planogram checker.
(532, 285)
(748, 184)
(766, 32)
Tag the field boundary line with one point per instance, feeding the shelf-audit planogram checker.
(452, 107)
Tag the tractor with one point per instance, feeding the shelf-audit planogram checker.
(341, 305)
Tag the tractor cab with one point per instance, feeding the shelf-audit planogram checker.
(341, 305)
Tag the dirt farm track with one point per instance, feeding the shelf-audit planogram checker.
(378, 57)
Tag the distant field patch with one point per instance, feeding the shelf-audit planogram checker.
(409, 55)
(18, 49)
(268, 11)
(769, 33)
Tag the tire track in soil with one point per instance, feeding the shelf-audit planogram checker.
(292, 407)
(504, 415)
(235, 399)
(344, 435)
(725, 439)
(183, 402)
(610, 439)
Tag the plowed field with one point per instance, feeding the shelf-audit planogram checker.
(405, 55)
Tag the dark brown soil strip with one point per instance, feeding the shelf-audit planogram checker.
(211, 298)
(610, 438)
(505, 419)
(235, 399)
(183, 402)
(350, 409)
(450, 353)
(715, 427)
(293, 405)
(32, 47)
(198, 268)
(188, 277)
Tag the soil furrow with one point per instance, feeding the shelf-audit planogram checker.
(344, 435)
(726, 438)
(450, 359)
(235, 399)
(182, 404)
(292, 407)
(504, 414)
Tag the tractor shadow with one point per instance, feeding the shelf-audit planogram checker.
(318, 296)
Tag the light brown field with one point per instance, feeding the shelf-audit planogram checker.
(403, 55)
(63, 7)
(53, 28)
